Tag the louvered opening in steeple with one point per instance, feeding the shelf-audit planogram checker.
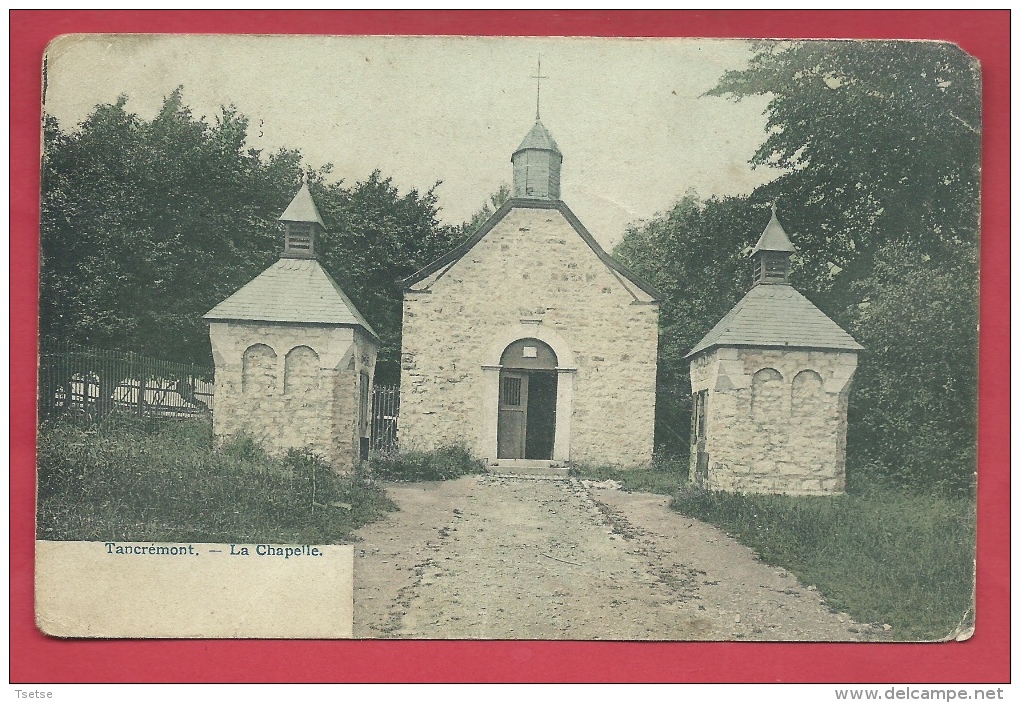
(299, 240)
(771, 267)
(302, 226)
(771, 255)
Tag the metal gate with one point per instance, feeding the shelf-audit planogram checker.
(385, 409)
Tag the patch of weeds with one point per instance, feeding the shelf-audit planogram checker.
(436, 465)
(244, 447)
(664, 476)
(120, 482)
(892, 556)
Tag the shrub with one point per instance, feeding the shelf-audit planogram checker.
(244, 447)
(116, 481)
(436, 465)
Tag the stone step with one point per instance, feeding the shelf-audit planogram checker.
(529, 467)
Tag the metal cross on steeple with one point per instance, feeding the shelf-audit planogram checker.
(538, 95)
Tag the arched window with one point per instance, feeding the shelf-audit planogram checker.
(767, 396)
(258, 370)
(301, 370)
(806, 396)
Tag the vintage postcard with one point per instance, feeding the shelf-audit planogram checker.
(508, 338)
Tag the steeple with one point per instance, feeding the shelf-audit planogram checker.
(537, 164)
(537, 160)
(302, 226)
(771, 255)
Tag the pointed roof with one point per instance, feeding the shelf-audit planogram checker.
(774, 237)
(292, 290)
(776, 316)
(539, 138)
(465, 246)
(302, 208)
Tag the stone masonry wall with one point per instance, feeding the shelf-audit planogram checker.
(775, 419)
(346, 427)
(532, 266)
(287, 386)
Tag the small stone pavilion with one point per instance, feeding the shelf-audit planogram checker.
(294, 358)
(528, 342)
(770, 384)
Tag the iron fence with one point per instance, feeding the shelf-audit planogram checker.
(92, 383)
(385, 410)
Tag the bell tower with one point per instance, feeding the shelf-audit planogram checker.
(537, 160)
(771, 255)
(302, 226)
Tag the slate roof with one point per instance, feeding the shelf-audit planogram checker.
(774, 238)
(539, 138)
(465, 246)
(776, 316)
(302, 208)
(292, 290)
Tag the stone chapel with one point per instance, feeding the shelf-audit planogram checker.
(294, 359)
(528, 342)
(770, 383)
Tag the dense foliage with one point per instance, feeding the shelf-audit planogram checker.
(439, 464)
(879, 143)
(375, 237)
(147, 224)
(693, 255)
(123, 480)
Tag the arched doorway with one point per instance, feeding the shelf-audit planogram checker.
(527, 401)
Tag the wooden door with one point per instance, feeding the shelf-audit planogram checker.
(513, 415)
(699, 435)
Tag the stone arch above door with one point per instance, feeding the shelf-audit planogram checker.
(529, 354)
(512, 333)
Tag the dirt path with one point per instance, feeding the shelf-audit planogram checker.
(499, 557)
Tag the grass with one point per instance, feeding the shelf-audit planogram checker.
(123, 481)
(884, 557)
(663, 476)
(437, 465)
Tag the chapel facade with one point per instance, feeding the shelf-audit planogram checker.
(770, 384)
(528, 341)
(294, 359)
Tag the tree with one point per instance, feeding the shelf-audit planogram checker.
(880, 142)
(880, 146)
(146, 225)
(912, 414)
(496, 200)
(374, 238)
(695, 256)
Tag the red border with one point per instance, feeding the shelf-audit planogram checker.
(984, 658)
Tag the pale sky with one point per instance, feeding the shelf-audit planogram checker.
(628, 114)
